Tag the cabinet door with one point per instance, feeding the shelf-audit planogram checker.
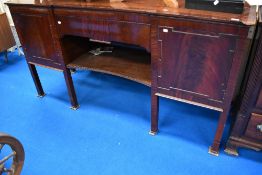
(194, 63)
(34, 30)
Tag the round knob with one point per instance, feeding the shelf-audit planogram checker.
(259, 127)
(165, 30)
(59, 22)
(216, 2)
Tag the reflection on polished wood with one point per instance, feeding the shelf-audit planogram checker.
(188, 55)
(159, 7)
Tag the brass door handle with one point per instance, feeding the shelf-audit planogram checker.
(259, 127)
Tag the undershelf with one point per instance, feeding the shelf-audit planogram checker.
(129, 63)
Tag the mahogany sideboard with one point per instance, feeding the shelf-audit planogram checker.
(247, 129)
(192, 56)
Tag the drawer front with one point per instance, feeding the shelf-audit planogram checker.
(130, 33)
(83, 26)
(126, 28)
(203, 27)
(254, 128)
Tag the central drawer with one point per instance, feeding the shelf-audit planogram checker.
(83, 26)
(106, 26)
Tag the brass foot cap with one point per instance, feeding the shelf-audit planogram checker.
(72, 71)
(212, 152)
(41, 95)
(74, 107)
(153, 133)
(231, 152)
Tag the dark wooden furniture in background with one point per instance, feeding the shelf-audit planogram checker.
(230, 6)
(187, 55)
(6, 37)
(247, 129)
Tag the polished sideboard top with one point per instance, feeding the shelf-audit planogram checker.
(171, 8)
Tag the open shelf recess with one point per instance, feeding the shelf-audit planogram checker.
(128, 62)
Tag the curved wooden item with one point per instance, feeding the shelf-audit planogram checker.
(16, 146)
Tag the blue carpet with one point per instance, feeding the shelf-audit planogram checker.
(108, 135)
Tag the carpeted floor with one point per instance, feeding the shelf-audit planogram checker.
(108, 135)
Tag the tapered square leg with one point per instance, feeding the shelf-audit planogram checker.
(70, 89)
(214, 149)
(154, 113)
(231, 149)
(37, 82)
